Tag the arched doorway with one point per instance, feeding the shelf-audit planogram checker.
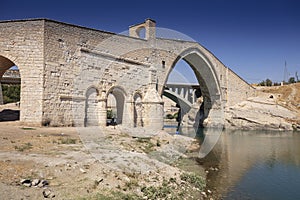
(208, 94)
(91, 108)
(111, 109)
(116, 95)
(10, 90)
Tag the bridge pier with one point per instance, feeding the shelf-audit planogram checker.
(127, 114)
(1, 95)
(102, 111)
(215, 114)
(153, 115)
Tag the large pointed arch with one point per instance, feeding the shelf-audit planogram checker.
(207, 77)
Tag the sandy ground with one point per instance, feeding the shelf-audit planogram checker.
(91, 163)
(37, 153)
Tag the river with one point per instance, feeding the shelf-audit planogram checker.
(253, 165)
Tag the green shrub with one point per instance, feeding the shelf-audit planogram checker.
(109, 114)
(11, 93)
(169, 116)
(175, 115)
(161, 192)
(24, 147)
(67, 141)
(112, 196)
(193, 179)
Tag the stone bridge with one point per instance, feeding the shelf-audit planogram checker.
(68, 72)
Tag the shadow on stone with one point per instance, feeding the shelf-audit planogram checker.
(9, 115)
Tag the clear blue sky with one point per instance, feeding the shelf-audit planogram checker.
(252, 37)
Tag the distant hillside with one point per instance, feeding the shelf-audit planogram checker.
(287, 96)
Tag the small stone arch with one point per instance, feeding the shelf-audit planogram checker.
(148, 27)
(91, 107)
(138, 110)
(120, 96)
(141, 32)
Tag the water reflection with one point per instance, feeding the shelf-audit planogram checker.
(252, 164)
(255, 165)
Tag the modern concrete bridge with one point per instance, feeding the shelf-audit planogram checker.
(183, 94)
(11, 76)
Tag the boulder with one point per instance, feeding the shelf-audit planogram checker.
(35, 182)
(47, 193)
(259, 113)
(26, 182)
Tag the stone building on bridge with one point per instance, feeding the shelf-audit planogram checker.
(68, 72)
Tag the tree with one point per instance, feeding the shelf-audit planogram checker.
(263, 83)
(276, 84)
(292, 80)
(109, 114)
(11, 93)
(268, 82)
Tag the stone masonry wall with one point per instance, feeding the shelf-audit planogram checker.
(65, 92)
(77, 59)
(22, 43)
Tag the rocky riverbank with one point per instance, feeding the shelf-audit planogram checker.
(261, 113)
(274, 108)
